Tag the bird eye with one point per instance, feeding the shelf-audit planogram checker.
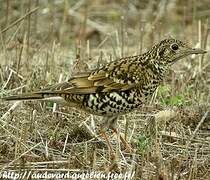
(174, 46)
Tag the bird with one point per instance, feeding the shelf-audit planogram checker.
(118, 87)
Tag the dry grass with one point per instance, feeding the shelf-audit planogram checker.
(44, 43)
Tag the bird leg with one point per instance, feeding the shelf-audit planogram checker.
(124, 142)
(104, 136)
(111, 122)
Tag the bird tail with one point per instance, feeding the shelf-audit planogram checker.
(44, 96)
(25, 96)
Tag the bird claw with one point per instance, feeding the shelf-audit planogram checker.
(128, 148)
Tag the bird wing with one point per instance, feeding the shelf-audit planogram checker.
(117, 75)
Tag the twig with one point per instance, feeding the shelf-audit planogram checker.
(19, 20)
(8, 79)
(20, 156)
(10, 110)
(196, 129)
(64, 147)
(102, 28)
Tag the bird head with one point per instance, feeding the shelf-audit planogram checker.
(170, 50)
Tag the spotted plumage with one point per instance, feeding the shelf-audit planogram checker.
(118, 87)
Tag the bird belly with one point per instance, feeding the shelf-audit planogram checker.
(114, 103)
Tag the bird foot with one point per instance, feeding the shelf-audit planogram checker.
(127, 148)
(112, 156)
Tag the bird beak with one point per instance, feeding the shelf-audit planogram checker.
(197, 51)
(187, 52)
